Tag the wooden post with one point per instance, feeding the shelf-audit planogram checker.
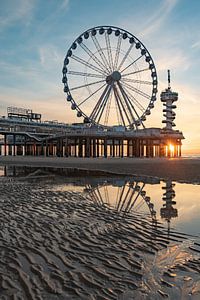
(47, 148)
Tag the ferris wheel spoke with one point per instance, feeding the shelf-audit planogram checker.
(109, 51)
(89, 65)
(130, 200)
(132, 63)
(120, 198)
(101, 53)
(118, 113)
(85, 74)
(91, 95)
(136, 197)
(94, 197)
(85, 85)
(128, 96)
(140, 204)
(99, 102)
(127, 101)
(93, 57)
(119, 42)
(143, 94)
(118, 105)
(137, 81)
(99, 196)
(125, 57)
(123, 105)
(135, 72)
(131, 97)
(108, 108)
(103, 105)
(125, 198)
(106, 194)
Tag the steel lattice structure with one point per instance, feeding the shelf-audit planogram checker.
(110, 78)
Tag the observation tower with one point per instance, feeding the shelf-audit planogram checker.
(168, 97)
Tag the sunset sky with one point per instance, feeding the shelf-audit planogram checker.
(36, 34)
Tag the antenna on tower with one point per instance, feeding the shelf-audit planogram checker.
(168, 73)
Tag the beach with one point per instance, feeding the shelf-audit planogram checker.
(57, 243)
(176, 169)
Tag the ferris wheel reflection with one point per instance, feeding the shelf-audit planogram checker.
(127, 197)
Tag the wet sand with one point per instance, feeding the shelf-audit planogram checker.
(176, 169)
(57, 244)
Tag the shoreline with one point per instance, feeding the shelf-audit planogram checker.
(176, 169)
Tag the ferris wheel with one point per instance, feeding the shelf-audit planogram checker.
(110, 78)
(124, 199)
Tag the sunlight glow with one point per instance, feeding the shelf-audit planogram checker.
(171, 150)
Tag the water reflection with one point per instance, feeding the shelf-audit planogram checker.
(178, 205)
(122, 195)
(128, 197)
(168, 211)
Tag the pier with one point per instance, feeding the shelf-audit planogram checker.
(26, 137)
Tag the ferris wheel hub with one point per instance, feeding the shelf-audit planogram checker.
(115, 76)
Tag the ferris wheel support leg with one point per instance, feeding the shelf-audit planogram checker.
(97, 147)
(105, 148)
(46, 149)
(94, 147)
(128, 148)
(161, 150)
(80, 148)
(180, 150)
(141, 148)
(137, 148)
(87, 147)
(5, 144)
(122, 148)
(151, 148)
(113, 148)
(66, 153)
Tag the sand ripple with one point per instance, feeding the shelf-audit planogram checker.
(60, 245)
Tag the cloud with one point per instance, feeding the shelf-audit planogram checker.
(49, 55)
(196, 45)
(14, 11)
(153, 23)
(172, 59)
(64, 4)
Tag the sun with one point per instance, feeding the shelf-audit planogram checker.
(171, 148)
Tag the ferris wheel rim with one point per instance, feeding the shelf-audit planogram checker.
(147, 55)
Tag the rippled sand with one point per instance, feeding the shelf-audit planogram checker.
(58, 244)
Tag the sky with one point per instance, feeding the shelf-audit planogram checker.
(36, 34)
